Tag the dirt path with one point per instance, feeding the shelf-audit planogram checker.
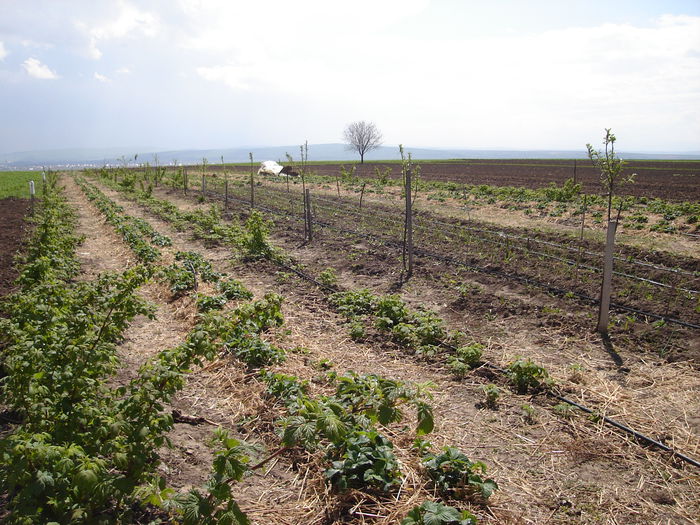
(549, 468)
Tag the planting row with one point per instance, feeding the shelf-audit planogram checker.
(342, 426)
(661, 293)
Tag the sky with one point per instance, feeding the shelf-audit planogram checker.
(508, 74)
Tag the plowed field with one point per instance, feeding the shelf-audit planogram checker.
(672, 180)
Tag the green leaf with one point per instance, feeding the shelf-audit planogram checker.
(426, 422)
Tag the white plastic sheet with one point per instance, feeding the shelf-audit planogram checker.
(269, 167)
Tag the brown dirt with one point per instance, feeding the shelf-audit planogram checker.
(12, 234)
(679, 181)
(549, 471)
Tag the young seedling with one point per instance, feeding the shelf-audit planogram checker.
(492, 393)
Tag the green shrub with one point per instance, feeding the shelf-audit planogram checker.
(255, 243)
(206, 303)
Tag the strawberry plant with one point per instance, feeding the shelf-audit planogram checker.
(354, 303)
(454, 475)
(206, 303)
(328, 277)
(182, 277)
(465, 359)
(285, 387)
(492, 393)
(367, 461)
(254, 243)
(421, 331)
(380, 399)
(255, 352)
(527, 375)
(345, 426)
(435, 513)
(233, 289)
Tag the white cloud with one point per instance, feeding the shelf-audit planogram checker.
(36, 69)
(123, 71)
(128, 22)
(3, 51)
(101, 78)
(235, 77)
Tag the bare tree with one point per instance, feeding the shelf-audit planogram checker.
(362, 136)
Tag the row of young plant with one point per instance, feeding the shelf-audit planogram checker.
(133, 230)
(656, 290)
(343, 425)
(552, 200)
(159, 379)
(423, 333)
(570, 254)
(522, 372)
(207, 226)
(80, 448)
(84, 451)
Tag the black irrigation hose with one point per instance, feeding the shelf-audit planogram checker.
(611, 422)
(480, 269)
(629, 430)
(579, 265)
(500, 233)
(526, 280)
(568, 248)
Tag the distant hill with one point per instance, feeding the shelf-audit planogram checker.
(76, 158)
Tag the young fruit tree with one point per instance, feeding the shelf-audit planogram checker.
(610, 166)
(611, 178)
(362, 136)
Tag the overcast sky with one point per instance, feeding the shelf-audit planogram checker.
(512, 74)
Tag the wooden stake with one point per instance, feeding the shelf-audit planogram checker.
(252, 192)
(226, 194)
(252, 182)
(309, 215)
(306, 217)
(362, 193)
(409, 224)
(606, 287)
(204, 185)
(31, 195)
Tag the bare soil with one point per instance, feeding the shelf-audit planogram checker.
(672, 180)
(12, 234)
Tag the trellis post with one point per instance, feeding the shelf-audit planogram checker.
(606, 287)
